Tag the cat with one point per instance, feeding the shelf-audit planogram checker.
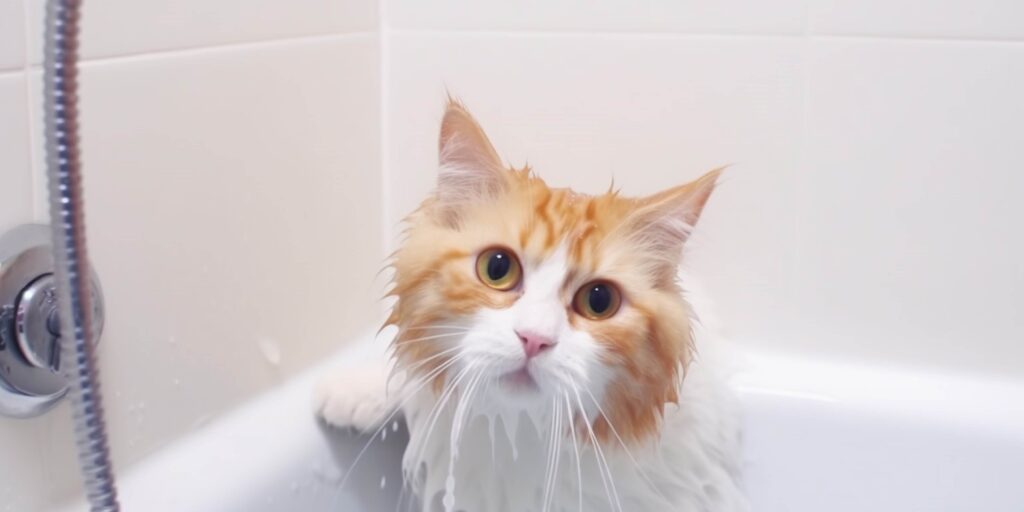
(545, 357)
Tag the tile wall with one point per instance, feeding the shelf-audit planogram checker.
(231, 156)
(247, 162)
(872, 208)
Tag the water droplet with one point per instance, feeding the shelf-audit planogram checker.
(394, 426)
(449, 493)
(383, 482)
(172, 340)
(176, 382)
(271, 351)
(384, 434)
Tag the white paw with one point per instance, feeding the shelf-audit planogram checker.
(353, 398)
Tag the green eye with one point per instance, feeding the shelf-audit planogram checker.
(499, 269)
(597, 300)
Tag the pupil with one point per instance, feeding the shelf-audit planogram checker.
(498, 266)
(600, 298)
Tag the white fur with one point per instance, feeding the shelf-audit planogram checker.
(486, 449)
(355, 399)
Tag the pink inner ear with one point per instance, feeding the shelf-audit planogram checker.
(664, 221)
(469, 166)
(463, 142)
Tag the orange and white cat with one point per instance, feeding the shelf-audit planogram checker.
(545, 354)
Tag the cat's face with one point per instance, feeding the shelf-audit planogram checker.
(544, 297)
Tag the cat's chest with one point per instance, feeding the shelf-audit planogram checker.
(496, 467)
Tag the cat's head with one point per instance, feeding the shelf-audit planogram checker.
(544, 297)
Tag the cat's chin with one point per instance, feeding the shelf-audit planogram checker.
(519, 381)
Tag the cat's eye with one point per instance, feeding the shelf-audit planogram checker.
(597, 300)
(498, 268)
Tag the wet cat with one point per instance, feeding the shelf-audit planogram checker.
(545, 356)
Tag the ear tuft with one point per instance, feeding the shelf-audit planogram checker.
(663, 222)
(469, 166)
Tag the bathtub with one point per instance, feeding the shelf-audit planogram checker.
(820, 436)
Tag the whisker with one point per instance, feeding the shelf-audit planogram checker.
(549, 466)
(575, 449)
(436, 326)
(410, 371)
(455, 436)
(401, 342)
(558, 450)
(396, 410)
(419, 364)
(624, 447)
(481, 335)
(439, 407)
(600, 455)
(459, 418)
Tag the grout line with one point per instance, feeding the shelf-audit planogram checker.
(916, 39)
(384, 89)
(31, 123)
(263, 43)
(384, 144)
(387, 196)
(384, 34)
(569, 33)
(640, 34)
(193, 50)
(792, 267)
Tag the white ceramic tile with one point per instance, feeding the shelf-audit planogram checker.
(912, 240)
(37, 452)
(233, 200)
(40, 469)
(779, 16)
(15, 160)
(989, 19)
(12, 34)
(126, 27)
(648, 112)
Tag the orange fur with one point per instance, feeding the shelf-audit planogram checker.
(607, 236)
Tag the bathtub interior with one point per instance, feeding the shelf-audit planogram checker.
(820, 435)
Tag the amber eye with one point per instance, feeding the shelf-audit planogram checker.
(597, 300)
(499, 269)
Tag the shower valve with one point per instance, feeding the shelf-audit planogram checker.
(31, 380)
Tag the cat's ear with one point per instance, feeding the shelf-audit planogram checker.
(663, 222)
(469, 166)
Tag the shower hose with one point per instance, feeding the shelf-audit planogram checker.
(67, 219)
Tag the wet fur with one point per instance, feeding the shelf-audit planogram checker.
(624, 416)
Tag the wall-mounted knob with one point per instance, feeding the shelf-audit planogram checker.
(36, 304)
(37, 321)
(30, 380)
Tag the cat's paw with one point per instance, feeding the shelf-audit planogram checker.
(355, 398)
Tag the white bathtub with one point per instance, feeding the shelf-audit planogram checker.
(820, 437)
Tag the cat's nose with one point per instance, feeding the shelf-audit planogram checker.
(533, 343)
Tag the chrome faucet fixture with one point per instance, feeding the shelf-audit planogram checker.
(31, 381)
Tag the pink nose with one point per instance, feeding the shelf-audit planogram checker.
(534, 343)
